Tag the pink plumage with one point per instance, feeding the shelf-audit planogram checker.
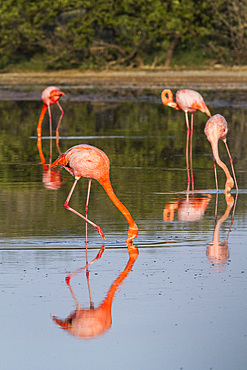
(216, 129)
(189, 101)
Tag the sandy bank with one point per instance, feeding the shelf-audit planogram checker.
(139, 79)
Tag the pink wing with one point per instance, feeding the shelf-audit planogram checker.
(191, 101)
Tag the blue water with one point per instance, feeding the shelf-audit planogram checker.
(182, 303)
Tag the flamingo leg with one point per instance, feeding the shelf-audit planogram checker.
(89, 289)
(66, 205)
(58, 147)
(59, 122)
(231, 161)
(86, 212)
(216, 208)
(50, 125)
(215, 175)
(68, 277)
(187, 150)
(191, 167)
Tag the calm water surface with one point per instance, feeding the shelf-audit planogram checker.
(177, 298)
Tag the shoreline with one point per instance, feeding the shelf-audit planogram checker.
(134, 79)
(99, 86)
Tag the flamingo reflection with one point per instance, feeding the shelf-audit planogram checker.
(191, 208)
(217, 251)
(50, 96)
(93, 322)
(41, 154)
(51, 177)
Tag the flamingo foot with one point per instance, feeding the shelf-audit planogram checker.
(67, 279)
(100, 232)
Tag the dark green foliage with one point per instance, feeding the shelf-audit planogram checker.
(106, 33)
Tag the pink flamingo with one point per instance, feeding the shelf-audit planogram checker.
(216, 129)
(92, 163)
(50, 96)
(189, 101)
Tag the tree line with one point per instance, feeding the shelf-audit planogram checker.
(109, 33)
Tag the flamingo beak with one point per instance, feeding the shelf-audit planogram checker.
(56, 93)
(62, 323)
(172, 104)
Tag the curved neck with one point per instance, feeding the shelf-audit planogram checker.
(108, 188)
(220, 221)
(167, 97)
(219, 161)
(41, 117)
(39, 145)
(110, 295)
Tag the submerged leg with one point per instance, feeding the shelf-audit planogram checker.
(86, 266)
(88, 281)
(66, 205)
(216, 209)
(86, 212)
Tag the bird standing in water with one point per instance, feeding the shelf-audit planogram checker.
(189, 101)
(92, 163)
(216, 129)
(50, 96)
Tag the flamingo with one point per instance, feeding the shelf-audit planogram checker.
(95, 321)
(50, 96)
(189, 101)
(92, 163)
(216, 129)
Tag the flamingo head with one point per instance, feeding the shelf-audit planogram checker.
(167, 99)
(60, 161)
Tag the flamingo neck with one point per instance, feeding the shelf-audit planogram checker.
(111, 293)
(133, 229)
(167, 99)
(220, 163)
(39, 145)
(220, 221)
(41, 117)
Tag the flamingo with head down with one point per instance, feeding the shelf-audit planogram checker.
(92, 163)
(216, 129)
